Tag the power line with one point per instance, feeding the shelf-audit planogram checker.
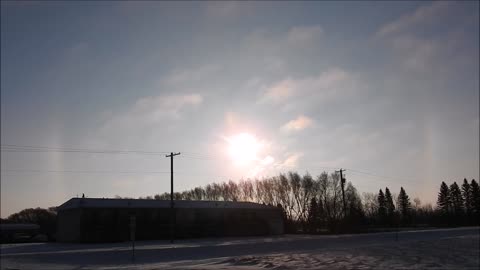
(381, 176)
(196, 174)
(25, 148)
(45, 149)
(323, 168)
(189, 155)
(30, 149)
(358, 172)
(84, 171)
(197, 154)
(378, 180)
(109, 172)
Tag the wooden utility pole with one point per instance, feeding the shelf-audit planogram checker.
(172, 212)
(343, 192)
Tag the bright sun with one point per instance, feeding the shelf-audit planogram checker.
(243, 148)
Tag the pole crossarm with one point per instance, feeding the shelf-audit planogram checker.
(173, 154)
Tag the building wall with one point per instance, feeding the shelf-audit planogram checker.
(68, 225)
(112, 224)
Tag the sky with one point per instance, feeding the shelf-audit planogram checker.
(387, 90)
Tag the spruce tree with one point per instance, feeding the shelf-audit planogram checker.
(355, 213)
(443, 201)
(404, 203)
(313, 215)
(467, 196)
(390, 206)
(382, 209)
(476, 200)
(456, 199)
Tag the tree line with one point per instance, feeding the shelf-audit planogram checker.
(46, 219)
(315, 204)
(459, 205)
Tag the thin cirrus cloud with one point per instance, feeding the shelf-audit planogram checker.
(300, 123)
(295, 37)
(291, 161)
(427, 53)
(187, 76)
(326, 85)
(304, 34)
(268, 166)
(160, 106)
(421, 16)
(280, 91)
(149, 111)
(273, 50)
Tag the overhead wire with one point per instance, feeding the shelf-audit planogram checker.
(381, 176)
(18, 148)
(6, 171)
(83, 171)
(43, 149)
(186, 154)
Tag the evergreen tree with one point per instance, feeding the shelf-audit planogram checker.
(476, 200)
(456, 199)
(287, 223)
(467, 196)
(355, 214)
(313, 215)
(443, 201)
(382, 206)
(404, 203)
(390, 206)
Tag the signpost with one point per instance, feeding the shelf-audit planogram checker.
(133, 224)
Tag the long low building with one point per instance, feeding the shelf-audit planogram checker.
(109, 220)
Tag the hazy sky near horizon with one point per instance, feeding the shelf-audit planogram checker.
(387, 88)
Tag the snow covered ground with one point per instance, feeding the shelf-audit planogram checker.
(431, 249)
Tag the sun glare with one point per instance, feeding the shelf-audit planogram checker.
(243, 148)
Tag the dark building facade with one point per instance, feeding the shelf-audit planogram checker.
(108, 220)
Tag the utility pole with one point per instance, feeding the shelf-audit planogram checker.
(172, 213)
(343, 192)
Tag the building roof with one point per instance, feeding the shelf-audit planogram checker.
(144, 203)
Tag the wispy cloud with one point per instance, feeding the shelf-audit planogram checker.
(268, 166)
(294, 37)
(421, 16)
(291, 162)
(165, 105)
(190, 76)
(273, 50)
(280, 91)
(325, 86)
(419, 52)
(304, 34)
(300, 123)
(147, 117)
(417, 44)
